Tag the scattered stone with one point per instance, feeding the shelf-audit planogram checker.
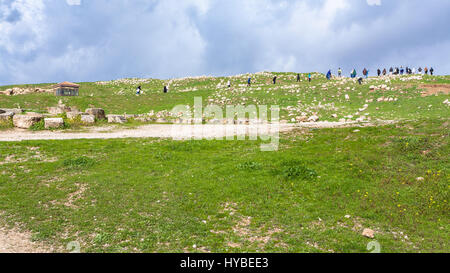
(420, 179)
(313, 118)
(302, 119)
(368, 233)
(97, 112)
(88, 119)
(53, 123)
(348, 216)
(26, 121)
(73, 115)
(6, 116)
(162, 120)
(16, 111)
(116, 119)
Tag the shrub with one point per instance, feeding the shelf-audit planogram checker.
(292, 170)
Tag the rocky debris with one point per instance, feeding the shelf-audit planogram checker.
(6, 116)
(22, 91)
(313, 118)
(53, 123)
(161, 120)
(16, 111)
(88, 119)
(116, 119)
(368, 233)
(73, 115)
(97, 112)
(447, 102)
(302, 119)
(26, 121)
(419, 179)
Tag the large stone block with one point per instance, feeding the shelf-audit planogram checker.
(97, 112)
(88, 119)
(16, 111)
(26, 121)
(73, 115)
(5, 117)
(116, 119)
(53, 123)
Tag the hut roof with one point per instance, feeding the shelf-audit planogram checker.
(68, 84)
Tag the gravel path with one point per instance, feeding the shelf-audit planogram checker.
(177, 132)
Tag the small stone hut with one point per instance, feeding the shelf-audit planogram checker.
(67, 89)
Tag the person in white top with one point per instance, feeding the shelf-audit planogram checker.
(229, 84)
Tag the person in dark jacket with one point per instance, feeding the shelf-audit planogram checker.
(138, 90)
(249, 81)
(298, 77)
(379, 72)
(384, 72)
(329, 75)
(431, 71)
(274, 80)
(166, 89)
(360, 80)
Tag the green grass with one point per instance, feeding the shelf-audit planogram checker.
(149, 195)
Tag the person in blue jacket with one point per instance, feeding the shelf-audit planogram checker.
(329, 75)
(249, 81)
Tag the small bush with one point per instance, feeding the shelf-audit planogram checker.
(39, 126)
(292, 170)
(250, 166)
(81, 162)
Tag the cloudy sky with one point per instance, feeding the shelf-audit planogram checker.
(90, 40)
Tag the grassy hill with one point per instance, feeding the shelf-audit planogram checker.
(317, 193)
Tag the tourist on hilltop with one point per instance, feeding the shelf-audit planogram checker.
(249, 81)
(274, 80)
(138, 91)
(340, 72)
(431, 71)
(426, 70)
(420, 70)
(366, 73)
(353, 75)
(329, 75)
(229, 83)
(379, 72)
(397, 71)
(413, 71)
(309, 77)
(384, 72)
(298, 77)
(360, 80)
(391, 71)
(401, 70)
(166, 89)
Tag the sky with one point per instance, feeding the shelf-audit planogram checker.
(44, 41)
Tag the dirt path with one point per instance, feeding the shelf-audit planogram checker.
(13, 241)
(177, 132)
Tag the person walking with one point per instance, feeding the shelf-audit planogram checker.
(166, 89)
(249, 81)
(309, 77)
(229, 83)
(360, 80)
(426, 70)
(384, 72)
(379, 72)
(329, 75)
(366, 73)
(431, 71)
(353, 75)
(298, 77)
(340, 72)
(138, 90)
(420, 70)
(274, 80)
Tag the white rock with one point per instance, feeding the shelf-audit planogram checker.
(88, 119)
(53, 123)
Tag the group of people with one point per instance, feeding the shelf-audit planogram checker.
(392, 71)
(139, 90)
(365, 72)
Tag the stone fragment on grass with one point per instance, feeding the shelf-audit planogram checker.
(313, 118)
(368, 233)
(116, 119)
(26, 121)
(73, 115)
(88, 119)
(6, 116)
(97, 112)
(16, 111)
(53, 123)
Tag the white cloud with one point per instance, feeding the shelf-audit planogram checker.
(374, 2)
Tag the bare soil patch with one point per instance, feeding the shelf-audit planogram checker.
(435, 89)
